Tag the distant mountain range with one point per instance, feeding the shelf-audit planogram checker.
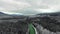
(51, 14)
(1, 14)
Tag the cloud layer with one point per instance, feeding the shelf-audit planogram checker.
(29, 6)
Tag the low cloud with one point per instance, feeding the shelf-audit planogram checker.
(10, 5)
(29, 6)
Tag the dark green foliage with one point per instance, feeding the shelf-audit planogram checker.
(50, 24)
(13, 25)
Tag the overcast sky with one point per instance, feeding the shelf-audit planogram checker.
(29, 6)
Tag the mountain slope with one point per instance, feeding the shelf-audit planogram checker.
(51, 14)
